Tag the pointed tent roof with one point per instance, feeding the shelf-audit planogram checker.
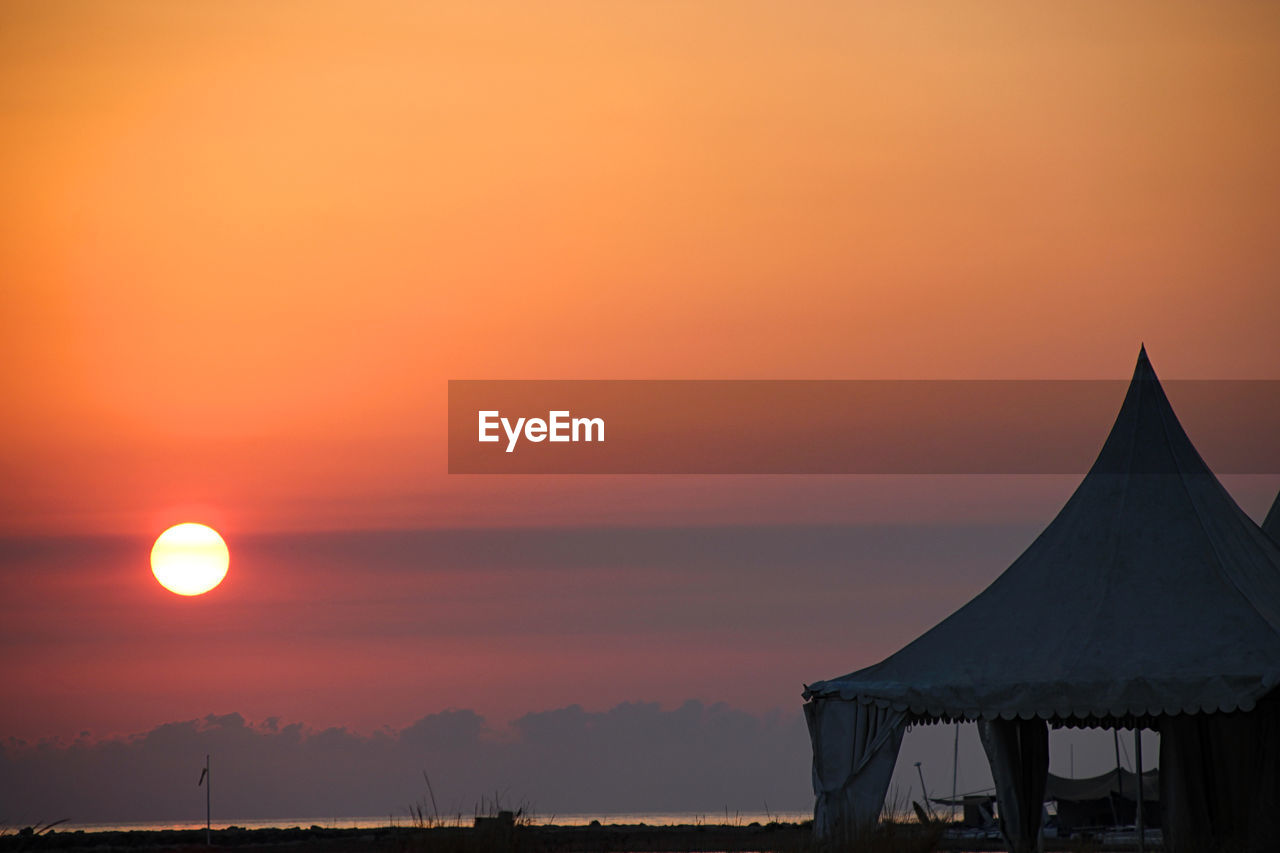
(1150, 593)
(1271, 524)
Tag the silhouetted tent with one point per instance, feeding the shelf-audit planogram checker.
(1102, 801)
(1272, 522)
(1151, 600)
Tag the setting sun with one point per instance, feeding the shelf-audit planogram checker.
(189, 559)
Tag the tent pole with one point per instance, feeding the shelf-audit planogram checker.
(955, 765)
(1115, 808)
(1137, 757)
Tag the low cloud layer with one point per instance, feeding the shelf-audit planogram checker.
(633, 757)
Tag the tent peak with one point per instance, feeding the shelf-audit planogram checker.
(1143, 369)
(1146, 437)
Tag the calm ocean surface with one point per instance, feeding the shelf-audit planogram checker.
(651, 818)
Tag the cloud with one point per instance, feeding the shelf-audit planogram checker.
(632, 757)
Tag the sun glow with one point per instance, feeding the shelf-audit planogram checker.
(190, 559)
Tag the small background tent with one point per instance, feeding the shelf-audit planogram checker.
(1272, 523)
(1101, 801)
(1151, 600)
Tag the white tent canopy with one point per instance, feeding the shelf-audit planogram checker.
(1151, 594)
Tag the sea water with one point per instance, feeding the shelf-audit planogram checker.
(730, 818)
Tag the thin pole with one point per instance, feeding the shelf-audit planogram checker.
(208, 820)
(1115, 808)
(923, 793)
(1137, 758)
(955, 769)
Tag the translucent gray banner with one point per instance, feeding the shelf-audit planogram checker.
(836, 427)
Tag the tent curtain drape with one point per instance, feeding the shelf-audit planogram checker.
(1220, 780)
(855, 747)
(1018, 751)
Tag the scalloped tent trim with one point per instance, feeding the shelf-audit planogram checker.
(1058, 716)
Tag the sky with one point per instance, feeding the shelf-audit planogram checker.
(245, 247)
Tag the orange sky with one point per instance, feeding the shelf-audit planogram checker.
(245, 245)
